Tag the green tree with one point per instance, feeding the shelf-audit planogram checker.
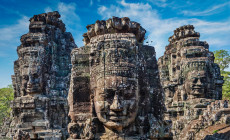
(6, 96)
(222, 58)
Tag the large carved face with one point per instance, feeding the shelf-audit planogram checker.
(32, 80)
(117, 93)
(31, 71)
(196, 83)
(117, 104)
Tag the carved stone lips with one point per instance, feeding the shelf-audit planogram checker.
(32, 89)
(198, 87)
(117, 118)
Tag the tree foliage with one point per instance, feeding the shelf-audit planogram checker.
(6, 96)
(222, 58)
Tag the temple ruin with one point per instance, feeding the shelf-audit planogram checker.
(41, 79)
(111, 88)
(192, 85)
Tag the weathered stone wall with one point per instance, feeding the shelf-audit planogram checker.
(192, 84)
(115, 92)
(41, 79)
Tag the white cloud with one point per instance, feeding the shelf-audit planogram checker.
(91, 2)
(210, 11)
(68, 13)
(159, 3)
(9, 40)
(10, 35)
(102, 9)
(159, 30)
(48, 9)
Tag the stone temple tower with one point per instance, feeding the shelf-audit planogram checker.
(41, 79)
(115, 91)
(192, 84)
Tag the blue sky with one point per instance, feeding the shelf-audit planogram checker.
(159, 17)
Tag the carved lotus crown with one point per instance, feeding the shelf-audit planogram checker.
(114, 25)
(183, 32)
(38, 23)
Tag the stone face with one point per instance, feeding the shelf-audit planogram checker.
(192, 84)
(115, 92)
(41, 79)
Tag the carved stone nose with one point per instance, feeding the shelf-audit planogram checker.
(116, 106)
(198, 82)
(30, 82)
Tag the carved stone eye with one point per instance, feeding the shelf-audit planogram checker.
(195, 80)
(128, 95)
(109, 95)
(203, 80)
(102, 96)
(35, 75)
(25, 77)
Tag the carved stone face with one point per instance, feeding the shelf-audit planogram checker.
(32, 80)
(31, 59)
(117, 105)
(196, 83)
(34, 84)
(116, 95)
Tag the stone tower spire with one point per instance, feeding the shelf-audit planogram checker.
(41, 78)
